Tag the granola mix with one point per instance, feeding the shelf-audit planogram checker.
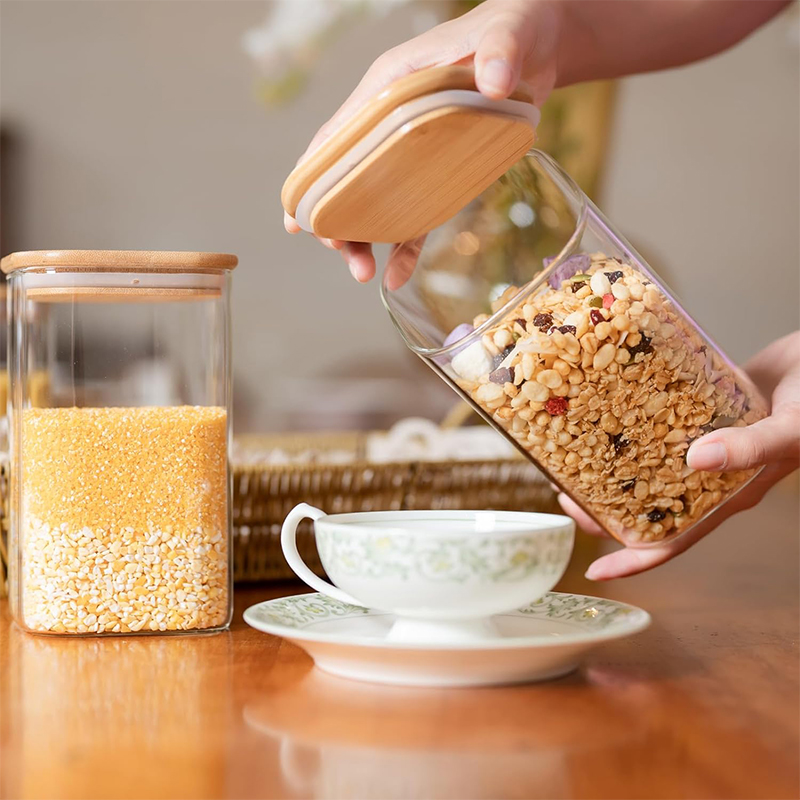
(603, 380)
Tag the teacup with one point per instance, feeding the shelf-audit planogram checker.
(443, 574)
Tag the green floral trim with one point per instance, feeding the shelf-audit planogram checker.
(586, 612)
(590, 611)
(297, 612)
(453, 560)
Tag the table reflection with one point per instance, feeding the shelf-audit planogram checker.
(76, 707)
(340, 739)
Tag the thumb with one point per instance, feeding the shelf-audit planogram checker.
(774, 439)
(499, 55)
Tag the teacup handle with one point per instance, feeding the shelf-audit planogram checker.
(293, 559)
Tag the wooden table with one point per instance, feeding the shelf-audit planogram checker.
(704, 704)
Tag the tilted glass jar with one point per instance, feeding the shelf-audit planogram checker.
(539, 314)
(120, 400)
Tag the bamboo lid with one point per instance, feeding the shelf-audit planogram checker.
(100, 276)
(414, 156)
(113, 260)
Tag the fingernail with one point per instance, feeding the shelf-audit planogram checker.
(710, 455)
(497, 76)
(353, 272)
(593, 573)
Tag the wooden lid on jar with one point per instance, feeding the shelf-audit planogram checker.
(132, 260)
(410, 159)
(49, 276)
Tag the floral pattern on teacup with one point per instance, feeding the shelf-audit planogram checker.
(455, 559)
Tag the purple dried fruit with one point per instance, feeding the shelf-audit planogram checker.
(614, 276)
(502, 375)
(656, 515)
(500, 357)
(568, 329)
(568, 268)
(620, 443)
(628, 485)
(543, 321)
(456, 335)
(596, 317)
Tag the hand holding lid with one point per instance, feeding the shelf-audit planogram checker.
(410, 159)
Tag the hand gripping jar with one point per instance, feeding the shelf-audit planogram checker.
(119, 478)
(512, 286)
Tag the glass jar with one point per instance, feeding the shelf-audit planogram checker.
(538, 313)
(120, 394)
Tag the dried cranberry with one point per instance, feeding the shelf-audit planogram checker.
(628, 485)
(596, 317)
(614, 276)
(576, 286)
(543, 321)
(502, 375)
(556, 406)
(567, 329)
(608, 300)
(656, 515)
(620, 443)
(521, 322)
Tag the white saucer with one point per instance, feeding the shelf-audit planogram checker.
(545, 639)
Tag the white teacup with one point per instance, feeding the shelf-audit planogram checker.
(442, 573)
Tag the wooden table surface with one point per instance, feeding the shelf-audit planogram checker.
(703, 704)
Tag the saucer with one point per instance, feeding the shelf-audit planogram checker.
(542, 640)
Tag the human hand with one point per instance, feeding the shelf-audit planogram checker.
(506, 40)
(773, 442)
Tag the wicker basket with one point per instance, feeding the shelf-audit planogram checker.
(263, 494)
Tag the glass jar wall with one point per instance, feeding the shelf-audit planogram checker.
(119, 365)
(532, 307)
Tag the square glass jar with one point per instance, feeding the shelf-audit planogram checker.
(542, 316)
(120, 395)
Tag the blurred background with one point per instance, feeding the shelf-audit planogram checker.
(172, 125)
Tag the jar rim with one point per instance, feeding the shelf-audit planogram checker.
(120, 260)
(530, 288)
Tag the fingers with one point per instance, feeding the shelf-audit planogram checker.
(290, 223)
(625, 562)
(401, 263)
(360, 260)
(498, 57)
(771, 440)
